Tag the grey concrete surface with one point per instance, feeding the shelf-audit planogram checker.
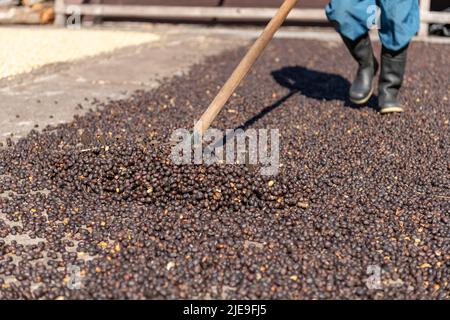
(51, 94)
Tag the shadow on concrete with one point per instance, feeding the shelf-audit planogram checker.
(313, 84)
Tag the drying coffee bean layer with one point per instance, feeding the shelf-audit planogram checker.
(95, 208)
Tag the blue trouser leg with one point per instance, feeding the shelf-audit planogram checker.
(399, 20)
(349, 16)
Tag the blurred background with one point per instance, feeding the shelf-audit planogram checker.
(435, 13)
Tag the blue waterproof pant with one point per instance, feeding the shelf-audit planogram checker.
(398, 20)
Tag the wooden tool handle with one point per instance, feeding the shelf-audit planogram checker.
(243, 68)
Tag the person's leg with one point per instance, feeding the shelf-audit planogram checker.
(362, 87)
(393, 64)
(351, 19)
(400, 21)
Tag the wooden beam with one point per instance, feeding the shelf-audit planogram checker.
(425, 6)
(19, 15)
(224, 13)
(180, 12)
(38, 14)
(436, 17)
(60, 16)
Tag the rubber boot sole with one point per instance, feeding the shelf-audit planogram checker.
(363, 101)
(388, 110)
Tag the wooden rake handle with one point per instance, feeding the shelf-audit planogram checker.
(243, 68)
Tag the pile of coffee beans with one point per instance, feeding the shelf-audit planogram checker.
(96, 209)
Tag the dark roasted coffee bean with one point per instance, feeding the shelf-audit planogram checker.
(99, 200)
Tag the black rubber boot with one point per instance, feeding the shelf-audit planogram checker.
(393, 64)
(362, 87)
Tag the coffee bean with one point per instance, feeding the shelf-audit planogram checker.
(100, 200)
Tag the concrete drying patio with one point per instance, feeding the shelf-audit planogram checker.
(74, 67)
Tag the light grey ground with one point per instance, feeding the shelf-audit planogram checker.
(50, 95)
